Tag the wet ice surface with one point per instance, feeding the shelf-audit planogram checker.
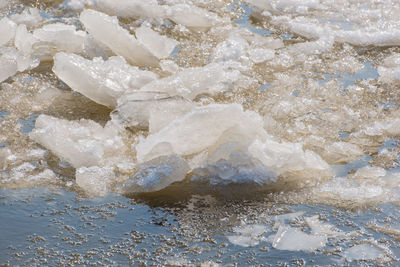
(241, 130)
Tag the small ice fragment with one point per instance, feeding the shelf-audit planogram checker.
(192, 17)
(7, 30)
(59, 37)
(75, 4)
(248, 235)
(8, 68)
(169, 66)
(363, 252)
(130, 8)
(370, 172)
(24, 40)
(4, 154)
(30, 17)
(157, 174)
(94, 180)
(106, 30)
(288, 238)
(322, 229)
(102, 81)
(260, 55)
(160, 46)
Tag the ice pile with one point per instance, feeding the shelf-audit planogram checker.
(216, 143)
(231, 106)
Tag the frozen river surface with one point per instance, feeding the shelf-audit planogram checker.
(177, 132)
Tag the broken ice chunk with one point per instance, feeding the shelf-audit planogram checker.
(169, 66)
(192, 17)
(200, 129)
(288, 238)
(322, 229)
(52, 38)
(260, 55)
(189, 15)
(369, 173)
(322, 45)
(8, 67)
(291, 161)
(158, 45)
(82, 143)
(248, 235)
(7, 30)
(130, 8)
(74, 4)
(12, 61)
(157, 174)
(363, 252)
(30, 17)
(24, 40)
(150, 110)
(106, 30)
(102, 81)
(190, 82)
(234, 48)
(94, 180)
(230, 162)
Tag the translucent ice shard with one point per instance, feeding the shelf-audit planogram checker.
(106, 30)
(53, 38)
(190, 82)
(288, 238)
(160, 46)
(363, 252)
(94, 180)
(248, 235)
(82, 143)
(30, 17)
(291, 161)
(24, 40)
(157, 174)
(102, 81)
(200, 129)
(192, 17)
(130, 8)
(186, 14)
(13, 61)
(7, 30)
(150, 110)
